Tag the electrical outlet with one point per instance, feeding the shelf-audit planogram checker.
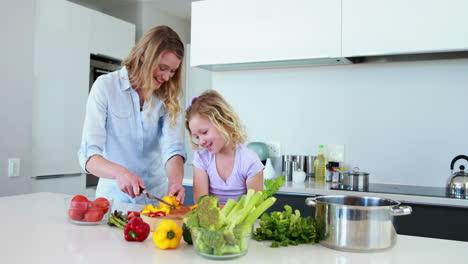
(274, 148)
(14, 167)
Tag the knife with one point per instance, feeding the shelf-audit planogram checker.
(150, 196)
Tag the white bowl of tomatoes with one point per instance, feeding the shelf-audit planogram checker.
(85, 210)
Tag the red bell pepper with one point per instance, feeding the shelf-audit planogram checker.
(136, 230)
(131, 214)
(156, 214)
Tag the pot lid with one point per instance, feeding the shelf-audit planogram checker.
(461, 172)
(356, 172)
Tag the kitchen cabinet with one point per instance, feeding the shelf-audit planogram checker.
(64, 37)
(444, 222)
(383, 27)
(188, 195)
(61, 69)
(110, 36)
(242, 34)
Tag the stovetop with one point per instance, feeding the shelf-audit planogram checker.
(398, 189)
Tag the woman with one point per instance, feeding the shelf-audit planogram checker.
(132, 128)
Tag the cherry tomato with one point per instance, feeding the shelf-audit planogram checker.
(94, 215)
(102, 203)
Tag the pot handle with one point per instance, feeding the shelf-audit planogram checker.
(401, 210)
(311, 201)
(457, 158)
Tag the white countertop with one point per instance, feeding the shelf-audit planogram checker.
(35, 230)
(317, 188)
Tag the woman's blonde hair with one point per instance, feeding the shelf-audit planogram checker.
(143, 60)
(212, 105)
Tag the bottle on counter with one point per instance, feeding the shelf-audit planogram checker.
(320, 165)
(332, 167)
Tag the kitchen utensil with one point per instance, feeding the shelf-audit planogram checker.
(150, 196)
(287, 167)
(356, 180)
(298, 175)
(81, 213)
(202, 240)
(300, 159)
(357, 224)
(309, 165)
(176, 215)
(261, 149)
(457, 184)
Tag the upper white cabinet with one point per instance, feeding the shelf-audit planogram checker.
(65, 36)
(111, 36)
(264, 32)
(385, 27)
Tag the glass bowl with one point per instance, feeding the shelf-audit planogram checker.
(220, 244)
(86, 210)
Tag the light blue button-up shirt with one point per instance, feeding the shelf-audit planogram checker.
(142, 141)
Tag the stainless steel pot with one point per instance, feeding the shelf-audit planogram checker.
(356, 180)
(357, 224)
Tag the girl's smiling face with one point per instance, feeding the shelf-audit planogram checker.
(206, 134)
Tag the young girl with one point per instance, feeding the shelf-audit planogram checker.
(225, 167)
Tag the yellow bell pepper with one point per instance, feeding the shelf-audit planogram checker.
(170, 199)
(167, 235)
(151, 209)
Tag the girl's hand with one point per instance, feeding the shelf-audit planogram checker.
(129, 183)
(177, 190)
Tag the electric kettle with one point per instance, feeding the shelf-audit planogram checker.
(457, 185)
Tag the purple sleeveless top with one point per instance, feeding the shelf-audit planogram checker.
(246, 165)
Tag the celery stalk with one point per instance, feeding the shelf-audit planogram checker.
(258, 211)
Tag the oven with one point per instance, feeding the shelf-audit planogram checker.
(99, 65)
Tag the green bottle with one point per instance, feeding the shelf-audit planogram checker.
(320, 165)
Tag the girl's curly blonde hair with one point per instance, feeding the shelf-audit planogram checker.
(212, 105)
(143, 60)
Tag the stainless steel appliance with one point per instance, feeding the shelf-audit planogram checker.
(98, 66)
(356, 180)
(457, 184)
(357, 224)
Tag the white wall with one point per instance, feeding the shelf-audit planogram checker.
(152, 16)
(401, 122)
(146, 15)
(16, 25)
(130, 13)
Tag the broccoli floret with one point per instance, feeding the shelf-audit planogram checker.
(230, 237)
(214, 239)
(191, 219)
(202, 247)
(209, 215)
(228, 249)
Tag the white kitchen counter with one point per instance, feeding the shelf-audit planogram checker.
(35, 230)
(312, 188)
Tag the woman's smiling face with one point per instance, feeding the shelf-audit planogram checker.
(206, 134)
(166, 69)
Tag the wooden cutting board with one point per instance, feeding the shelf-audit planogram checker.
(176, 215)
